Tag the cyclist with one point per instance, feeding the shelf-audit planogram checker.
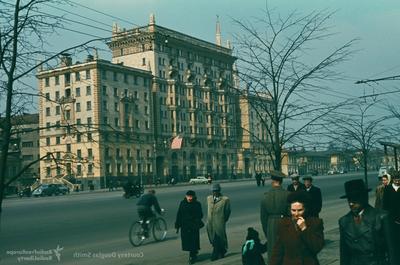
(144, 205)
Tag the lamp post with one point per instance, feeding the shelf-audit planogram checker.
(155, 173)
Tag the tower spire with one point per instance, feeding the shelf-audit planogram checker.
(218, 33)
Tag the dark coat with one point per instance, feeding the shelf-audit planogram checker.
(295, 247)
(252, 252)
(391, 203)
(299, 188)
(188, 219)
(366, 243)
(314, 208)
(274, 207)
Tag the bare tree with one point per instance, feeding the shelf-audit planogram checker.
(24, 28)
(358, 130)
(276, 61)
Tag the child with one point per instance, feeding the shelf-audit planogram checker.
(252, 249)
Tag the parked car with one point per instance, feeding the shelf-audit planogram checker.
(331, 172)
(62, 189)
(46, 190)
(198, 180)
(384, 170)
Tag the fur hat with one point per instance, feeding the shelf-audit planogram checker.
(191, 193)
(299, 196)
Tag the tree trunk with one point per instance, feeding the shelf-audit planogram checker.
(366, 169)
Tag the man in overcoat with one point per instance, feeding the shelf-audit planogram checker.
(274, 206)
(364, 230)
(315, 205)
(219, 210)
(391, 203)
(296, 185)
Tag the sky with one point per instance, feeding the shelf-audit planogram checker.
(374, 23)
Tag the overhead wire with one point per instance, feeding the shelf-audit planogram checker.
(103, 13)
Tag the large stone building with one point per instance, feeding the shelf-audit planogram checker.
(107, 121)
(253, 146)
(26, 129)
(193, 96)
(97, 117)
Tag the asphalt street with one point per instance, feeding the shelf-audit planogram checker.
(92, 228)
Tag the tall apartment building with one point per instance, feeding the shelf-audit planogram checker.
(23, 150)
(193, 97)
(110, 120)
(97, 117)
(253, 121)
(26, 129)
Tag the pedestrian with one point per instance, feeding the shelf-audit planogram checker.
(315, 206)
(299, 237)
(258, 179)
(391, 203)
(296, 184)
(188, 220)
(274, 207)
(218, 213)
(253, 249)
(380, 189)
(364, 230)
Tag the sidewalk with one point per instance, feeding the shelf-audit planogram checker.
(328, 256)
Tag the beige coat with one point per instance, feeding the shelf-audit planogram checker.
(217, 216)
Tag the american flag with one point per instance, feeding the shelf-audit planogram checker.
(177, 142)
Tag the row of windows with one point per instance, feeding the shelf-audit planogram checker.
(67, 78)
(79, 139)
(125, 93)
(68, 170)
(67, 93)
(127, 78)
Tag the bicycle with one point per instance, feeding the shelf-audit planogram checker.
(156, 225)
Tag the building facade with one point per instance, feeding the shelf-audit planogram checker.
(193, 97)
(97, 117)
(253, 156)
(108, 121)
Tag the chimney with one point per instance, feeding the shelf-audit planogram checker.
(89, 58)
(66, 60)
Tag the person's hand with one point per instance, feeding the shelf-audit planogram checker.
(301, 223)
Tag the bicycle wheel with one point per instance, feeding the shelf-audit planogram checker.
(159, 229)
(136, 234)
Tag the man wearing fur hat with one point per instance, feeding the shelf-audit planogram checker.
(218, 213)
(274, 207)
(364, 230)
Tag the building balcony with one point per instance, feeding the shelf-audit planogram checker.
(66, 100)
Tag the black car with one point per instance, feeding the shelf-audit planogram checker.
(46, 190)
(62, 189)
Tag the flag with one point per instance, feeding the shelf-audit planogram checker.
(177, 142)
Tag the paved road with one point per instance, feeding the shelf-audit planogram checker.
(92, 228)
